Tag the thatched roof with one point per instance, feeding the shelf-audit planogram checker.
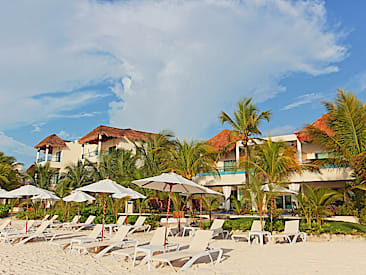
(221, 140)
(52, 140)
(109, 132)
(321, 123)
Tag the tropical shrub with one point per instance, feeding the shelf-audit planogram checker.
(4, 210)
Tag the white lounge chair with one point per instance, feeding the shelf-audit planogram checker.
(216, 228)
(80, 226)
(4, 226)
(140, 225)
(92, 237)
(40, 233)
(114, 226)
(61, 225)
(156, 245)
(256, 227)
(6, 234)
(118, 240)
(291, 230)
(45, 218)
(198, 248)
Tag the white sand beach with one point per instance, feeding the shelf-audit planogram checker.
(341, 256)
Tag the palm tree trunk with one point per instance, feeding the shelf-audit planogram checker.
(246, 170)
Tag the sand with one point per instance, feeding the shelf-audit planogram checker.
(327, 257)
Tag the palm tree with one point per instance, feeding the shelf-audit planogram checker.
(41, 176)
(76, 175)
(151, 153)
(318, 200)
(245, 123)
(345, 136)
(210, 204)
(273, 163)
(9, 175)
(256, 194)
(116, 205)
(189, 158)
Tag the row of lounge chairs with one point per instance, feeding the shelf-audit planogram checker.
(119, 245)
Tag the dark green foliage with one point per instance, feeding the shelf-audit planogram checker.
(4, 210)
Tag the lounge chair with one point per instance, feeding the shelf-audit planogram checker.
(256, 227)
(92, 237)
(216, 227)
(140, 225)
(6, 234)
(40, 233)
(45, 218)
(4, 226)
(291, 230)
(118, 240)
(156, 245)
(61, 225)
(80, 226)
(198, 248)
(174, 225)
(114, 226)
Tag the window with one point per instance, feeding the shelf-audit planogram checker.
(55, 178)
(111, 149)
(58, 156)
(229, 165)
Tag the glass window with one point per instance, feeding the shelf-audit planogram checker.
(229, 165)
(55, 178)
(58, 156)
(111, 149)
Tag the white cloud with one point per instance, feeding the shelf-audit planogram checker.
(282, 130)
(63, 134)
(178, 63)
(303, 99)
(10, 146)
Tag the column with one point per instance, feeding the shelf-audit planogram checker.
(47, 150)
(82, 152)
(237, 152)
(38, 152)
(99, 147)
(299, 150)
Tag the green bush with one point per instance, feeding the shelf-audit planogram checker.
(347, 210)
(362, 215)
(4, 210)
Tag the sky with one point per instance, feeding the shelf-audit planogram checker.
(68, 66)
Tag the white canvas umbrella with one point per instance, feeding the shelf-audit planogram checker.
(5, 194)
(134, 195)
(79, 197)
(278, 189)
(105, 187)
(207, 193)
(170, 182)
(27, 190)
(45, 196)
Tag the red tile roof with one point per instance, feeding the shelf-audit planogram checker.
(221, 140)
(111, 132)
(52, 140)
(321, 123)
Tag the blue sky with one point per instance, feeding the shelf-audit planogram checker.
(69, 66)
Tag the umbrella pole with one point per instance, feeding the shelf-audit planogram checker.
(26, 217)
(79, 212)
(105, 203)
(201, 212)
(167, 214)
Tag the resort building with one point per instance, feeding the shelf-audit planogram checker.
(61, 153)
(230, 182)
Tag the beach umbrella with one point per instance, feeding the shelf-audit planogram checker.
(134, 195)
(27, 190)
(5, 194)
(105, 187)
(206, 193)
(79, 197)
(278, 189)
(46, 197)
(170, 182)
